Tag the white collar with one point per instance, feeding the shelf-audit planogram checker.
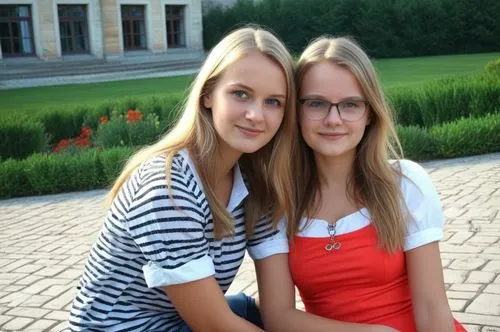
(239, 190)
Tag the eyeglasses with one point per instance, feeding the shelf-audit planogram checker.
(319, 109)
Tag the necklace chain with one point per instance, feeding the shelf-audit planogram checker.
(333, 245)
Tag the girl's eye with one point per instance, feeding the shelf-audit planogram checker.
(273, 102)
(316, 103)
(350, 104)
(241, 94)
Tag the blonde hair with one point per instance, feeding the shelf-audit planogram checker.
(374, 182)
(268, 170)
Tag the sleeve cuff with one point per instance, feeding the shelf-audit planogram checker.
(157, 276)
(422, 238)
(268, 248)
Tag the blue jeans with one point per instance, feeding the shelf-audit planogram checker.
(243, 306)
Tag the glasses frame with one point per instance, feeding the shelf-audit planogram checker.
(304, 100)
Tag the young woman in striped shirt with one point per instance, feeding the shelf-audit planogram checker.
(185, 209)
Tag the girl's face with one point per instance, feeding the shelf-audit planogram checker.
(248, 103)
(328, 133)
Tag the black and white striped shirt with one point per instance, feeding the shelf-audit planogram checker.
(149, 241)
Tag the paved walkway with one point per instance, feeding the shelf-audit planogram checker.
(92, 78)
(44, 242)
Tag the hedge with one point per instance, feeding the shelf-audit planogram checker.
(466, 137)
(44, 173)
(431, 104)
(21, 136)
(447, 99)
(385, 28)
(89, 169)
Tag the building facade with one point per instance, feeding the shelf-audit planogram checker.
(104, 29)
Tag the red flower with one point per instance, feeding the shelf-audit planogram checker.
(86, 132)
(61, 145)
(103, 119)
(133, 116)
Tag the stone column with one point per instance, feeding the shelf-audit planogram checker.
(110, 24)
(47, 30)
(195, 26)
(95, 29)
(158, 26)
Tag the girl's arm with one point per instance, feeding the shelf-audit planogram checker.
(277, 303)
(203, 307)
(425, 275)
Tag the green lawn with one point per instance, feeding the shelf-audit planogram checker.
(412, 71)
(394, 72)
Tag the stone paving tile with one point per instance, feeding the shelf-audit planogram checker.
(45, 241)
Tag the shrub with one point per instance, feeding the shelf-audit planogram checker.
(456, 97)
(447, 99)
(13, 180)
(62, 124)
(384, 28)
(21, 137)
(113, 161)
(62, 172)
(406, 105)
(468, 136)
(417, 143)
(493, 67)
(53, 173)
(131, 130)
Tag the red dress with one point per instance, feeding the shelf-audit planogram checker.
(361, 283)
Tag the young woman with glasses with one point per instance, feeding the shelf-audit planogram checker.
(364, 246)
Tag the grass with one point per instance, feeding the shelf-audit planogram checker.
(413, 71)
(77, 94)
(393, 72)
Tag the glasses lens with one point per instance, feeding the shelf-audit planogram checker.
(352, 110)
(315, 109)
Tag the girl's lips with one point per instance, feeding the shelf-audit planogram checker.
(332, 136)
(250, 131)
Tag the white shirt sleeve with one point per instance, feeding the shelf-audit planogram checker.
(169, 232)
(267, 241)
(427, 219)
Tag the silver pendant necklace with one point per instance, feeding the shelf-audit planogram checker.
(333, 245)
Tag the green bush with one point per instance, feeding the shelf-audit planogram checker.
(406, 102)
(61, 172)
(121, 132)
(67, 123)
(456, 97)
(13, 180)
(446, 99)
(113, 161)
(62, 123)
(53, 173)
(384, 28)
(468, 136)
(493, 67)
(417, 143)
(21, 137)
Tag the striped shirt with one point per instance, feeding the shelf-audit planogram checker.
(150, 240)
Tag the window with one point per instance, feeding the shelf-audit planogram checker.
(73, 28)
(133, 27)
(175, 26)
(16, 30)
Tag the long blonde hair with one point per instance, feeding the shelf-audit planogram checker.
(374, 182)
(268, 170)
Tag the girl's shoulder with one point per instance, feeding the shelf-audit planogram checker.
(415, 180)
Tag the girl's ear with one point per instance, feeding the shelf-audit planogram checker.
(207, 100)
(369, 119)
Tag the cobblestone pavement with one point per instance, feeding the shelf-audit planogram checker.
(44, 242)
